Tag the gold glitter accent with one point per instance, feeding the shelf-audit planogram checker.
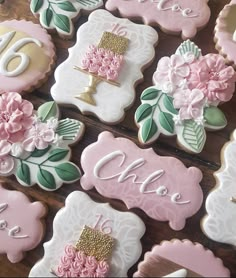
(95, 243)
(113, 42)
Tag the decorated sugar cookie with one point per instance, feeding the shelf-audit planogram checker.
(102, 69)
(184, 258)
(219, 223)
(90, 240)
(225, 32)
(34, 144)
(21, 226)
(60, 15)
(172, 16)
(183, 102)
(161, 186)
(27, 56)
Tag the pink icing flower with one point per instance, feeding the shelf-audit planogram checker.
(16, 115)
(87, 273)
(66, 262)
(112, 74)
(118, 58)
(76, 268)
(213, 77)
(102, 269)
(93, 68)
(61, 271)
(80, 257)
(108, 54)
(6, 164)
(171, 69)
(85, 63)
(101, 52)
(70, 251)
(39, 136)
(102, 71)
(91, 263)
(115, 65)
(190, 103)
(106, 61)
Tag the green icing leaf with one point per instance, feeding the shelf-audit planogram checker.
(149, 129)
(214, 117)
(68, 128)
(88, 3)
(39, 153)
(23, 173)
(57, 154)
(47, 16)
(48, 110)
(35, 5)
(68, 171)
(194, 135)
(62, 21)
(168, 103)
(66, 6)
(166, 121)
(46, 179)
(150, 93)
(189, 46)
(143, 112)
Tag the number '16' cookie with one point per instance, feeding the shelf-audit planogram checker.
(103, 67)
(161, 186)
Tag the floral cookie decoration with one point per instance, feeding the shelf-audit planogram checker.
(21, 226)
(225, 32)
(90, 240)
(181, 258)
(175, 17)
(34, 144)
(161, 186)
(103, 68)
(219, 223)
(27, 56)
(183, 102)
(60, 15)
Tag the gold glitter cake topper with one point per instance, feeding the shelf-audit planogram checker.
(95, 243)
(102, 63)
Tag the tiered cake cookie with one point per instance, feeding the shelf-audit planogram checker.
(183, 102)
(90, 240)
(26, 56)
(220, 222)
(161, 186)
(103, 67)
(59, 15)
(181, 16)
(34, 145)
(181, 259)
(21, 226)
(225, 32)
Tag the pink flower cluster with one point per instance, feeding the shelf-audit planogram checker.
(18, 127)
(102, 62)
(76, 264)
(194, 83)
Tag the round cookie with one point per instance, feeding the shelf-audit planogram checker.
(183, 102)
(182, 258)
(175, 17)
(27, 56)
(220, 222)
(21, 226)
(90, 240)
(225, 33)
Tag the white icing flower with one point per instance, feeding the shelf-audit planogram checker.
(177, 120)
(52, 123)
(16, 149)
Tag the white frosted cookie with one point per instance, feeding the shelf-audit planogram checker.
(103, 67)
(68, 253)
(59, 15)
(220, 222)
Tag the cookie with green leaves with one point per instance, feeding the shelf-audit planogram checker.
(188, 87)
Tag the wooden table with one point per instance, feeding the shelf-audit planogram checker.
(208, 161)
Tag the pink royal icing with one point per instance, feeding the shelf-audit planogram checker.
(173, 16)
(21, 227)
(162, 186)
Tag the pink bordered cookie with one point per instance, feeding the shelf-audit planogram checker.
(59, 16)
(184, 258)
(188, 87)
(90, 240)
(34, 145)
(21, 224)
(175, 17)
(27, 56)
(161, 186)
(103, 68)
(220, 222)
(225, 32)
